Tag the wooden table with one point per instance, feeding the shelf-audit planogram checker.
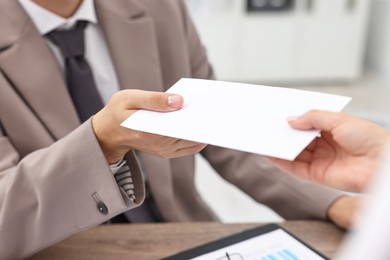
(154, 241)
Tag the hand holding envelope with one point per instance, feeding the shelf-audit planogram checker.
(250, 118)
(116, 141)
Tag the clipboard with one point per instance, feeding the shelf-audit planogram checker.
(269, 242)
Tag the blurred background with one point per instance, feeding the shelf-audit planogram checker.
(332, 46)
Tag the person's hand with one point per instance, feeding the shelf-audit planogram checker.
(343, 211)
(344, 156)
(116, 140)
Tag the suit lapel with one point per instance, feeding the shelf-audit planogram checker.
(30, 66)
(131, 38)
(33, 72)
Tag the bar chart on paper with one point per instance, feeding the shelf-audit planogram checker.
(284, 254)
(275, 245)
(281, 254)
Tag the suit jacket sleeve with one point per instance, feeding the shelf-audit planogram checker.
(289, 196)
(53, 193)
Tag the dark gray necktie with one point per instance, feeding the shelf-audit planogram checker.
(79, 77)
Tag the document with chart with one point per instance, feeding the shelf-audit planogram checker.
(269, 242)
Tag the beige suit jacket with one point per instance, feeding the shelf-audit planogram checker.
(51, 168)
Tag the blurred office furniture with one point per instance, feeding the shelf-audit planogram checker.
(155, 241)
(283, 40)
(378, 55)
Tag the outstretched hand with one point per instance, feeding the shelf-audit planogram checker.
(346, 154)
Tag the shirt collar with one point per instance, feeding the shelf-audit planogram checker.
(46, 21)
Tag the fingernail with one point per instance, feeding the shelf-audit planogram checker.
(174, 101)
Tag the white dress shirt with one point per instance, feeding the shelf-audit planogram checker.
(96, 50)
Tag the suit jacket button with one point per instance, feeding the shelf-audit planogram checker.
(102, 208)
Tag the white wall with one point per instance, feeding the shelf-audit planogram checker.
(301, 44)
(378, 53)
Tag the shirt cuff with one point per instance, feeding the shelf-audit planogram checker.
(117, 166)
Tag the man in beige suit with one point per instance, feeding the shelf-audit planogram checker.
(56, 172)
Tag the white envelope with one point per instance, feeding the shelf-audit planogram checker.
(250, 118)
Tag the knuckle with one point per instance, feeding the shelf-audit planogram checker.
(129, 97)
(137, 135)
(164, 154)
(118, 95)
(313, 113)
(157, 99)
(156, 147)
(143, 137)
(340, 117)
